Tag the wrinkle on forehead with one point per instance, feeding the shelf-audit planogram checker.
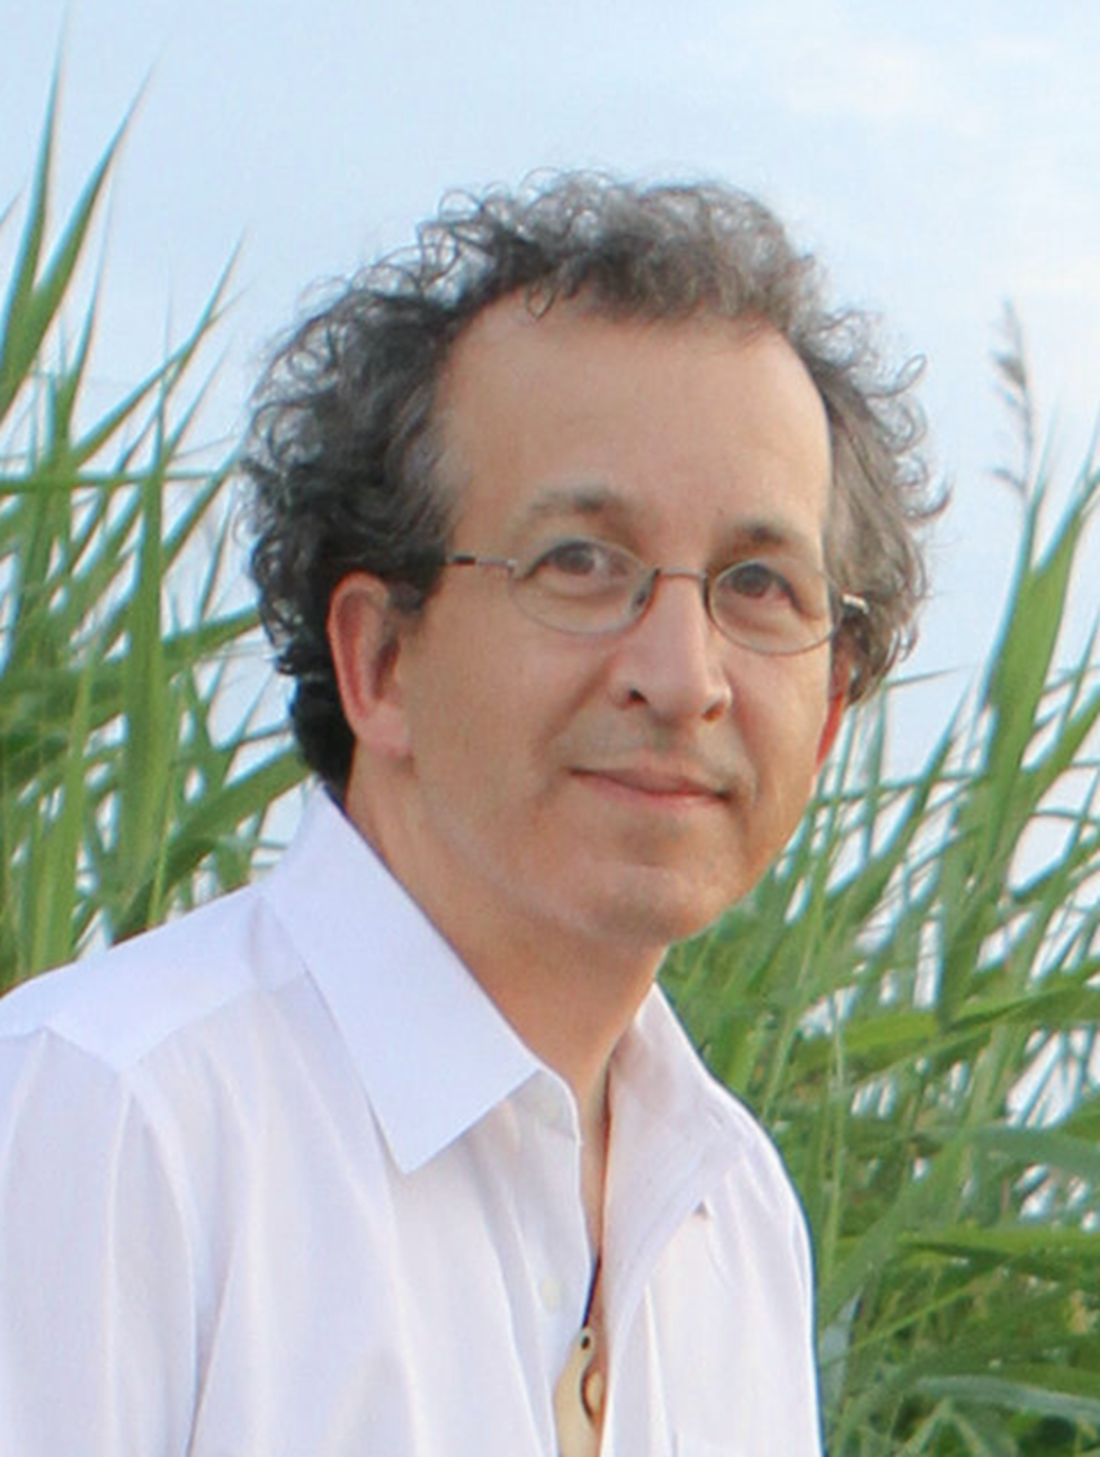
(614, 382)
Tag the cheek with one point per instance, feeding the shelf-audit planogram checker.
(484, 711)
(783, 719)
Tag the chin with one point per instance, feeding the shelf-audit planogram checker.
(656, 910)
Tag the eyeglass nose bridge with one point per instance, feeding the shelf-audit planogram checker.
(647, 590)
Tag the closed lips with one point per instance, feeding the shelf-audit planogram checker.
(660, 781)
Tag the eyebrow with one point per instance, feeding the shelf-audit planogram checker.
(763, 532)
(581, 500)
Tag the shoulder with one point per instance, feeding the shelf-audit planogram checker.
(155, 1064)
(119, 1005)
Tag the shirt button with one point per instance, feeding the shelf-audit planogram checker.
(551, 1293)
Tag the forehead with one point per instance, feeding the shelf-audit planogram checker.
(706, 420)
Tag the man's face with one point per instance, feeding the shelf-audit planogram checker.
(623, 788)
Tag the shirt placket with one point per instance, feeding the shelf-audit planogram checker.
(555, 1241)
(662, 1179)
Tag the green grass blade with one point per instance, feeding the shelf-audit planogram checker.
(35, 297)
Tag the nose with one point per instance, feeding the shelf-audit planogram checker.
(672, 658)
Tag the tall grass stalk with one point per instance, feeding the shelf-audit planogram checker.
(117, 801)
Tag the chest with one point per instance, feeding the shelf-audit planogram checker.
(348, 1307)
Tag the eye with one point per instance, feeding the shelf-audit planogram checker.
(759, 582)
(581, 565)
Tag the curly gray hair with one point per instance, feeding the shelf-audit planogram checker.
(341, 453)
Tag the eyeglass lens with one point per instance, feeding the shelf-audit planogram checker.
(774, 604)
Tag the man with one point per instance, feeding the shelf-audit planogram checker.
(578, 529)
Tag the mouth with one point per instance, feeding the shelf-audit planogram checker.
(661, 785)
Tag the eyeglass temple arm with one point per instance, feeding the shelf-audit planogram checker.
(472, 559)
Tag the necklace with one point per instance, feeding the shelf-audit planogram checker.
(578, 1399)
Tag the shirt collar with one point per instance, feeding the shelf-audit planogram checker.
(431, 1050)
(430, 1047)
(667, 1109)
(657, 1065)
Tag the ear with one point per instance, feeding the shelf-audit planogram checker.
(364, 643)
(838, 702)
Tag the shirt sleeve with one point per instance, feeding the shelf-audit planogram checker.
(97, 1331)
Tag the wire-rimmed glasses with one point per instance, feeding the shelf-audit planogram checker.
(772, 603)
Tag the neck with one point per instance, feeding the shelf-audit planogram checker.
(569, 996)
(570, 1000)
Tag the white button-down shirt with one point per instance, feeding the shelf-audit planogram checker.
(278, 1180)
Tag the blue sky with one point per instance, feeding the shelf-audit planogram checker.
(941, 156)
